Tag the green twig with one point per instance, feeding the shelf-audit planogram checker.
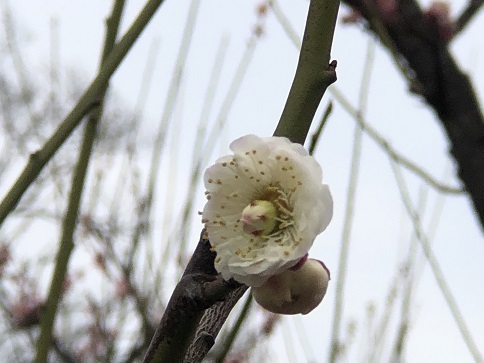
(169, 106)
(66, 247)
(349, 212)
(285, 23)
(319, 130)
(130, 147)
(386, 146)
(220, 122)
(88, 101)
(435, 266)
(314, 73)
(183, 226)
(230, 97)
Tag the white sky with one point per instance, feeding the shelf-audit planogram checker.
(381, 230)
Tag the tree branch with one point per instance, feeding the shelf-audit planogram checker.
(314, 73)
(445, 87)
(199, 288)
(467, 14)
(66, 243)
(87, 102)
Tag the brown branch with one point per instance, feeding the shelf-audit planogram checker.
(443, 85)
(467, 14)
(211, 324)
(199, 288)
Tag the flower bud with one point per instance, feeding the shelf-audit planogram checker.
(294, 291)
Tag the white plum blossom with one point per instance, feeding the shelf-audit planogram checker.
(266, 204)
(296, 290)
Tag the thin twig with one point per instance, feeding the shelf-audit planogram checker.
(349, 213)
(434, 265)
(409, 284)
(221, 120)
(285, 23)
(303, 336)
(467, 14)
(170, 102)
(230, 97)
(385, 145)
(66, 243)
(182, 226)
(317, 134)
(166, 117)
(140, 300)
(86, 103)
(141, 99)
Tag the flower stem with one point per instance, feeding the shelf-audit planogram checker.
(314, 73)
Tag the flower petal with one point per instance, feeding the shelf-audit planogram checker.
(280, 174)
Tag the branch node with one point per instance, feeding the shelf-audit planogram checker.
(332, 65)
(331, 72)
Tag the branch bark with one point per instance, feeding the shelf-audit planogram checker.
(199, 288)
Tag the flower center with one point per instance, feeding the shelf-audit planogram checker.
(259, 218)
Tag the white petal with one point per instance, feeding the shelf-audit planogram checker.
(264, 168)
(248, 143)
